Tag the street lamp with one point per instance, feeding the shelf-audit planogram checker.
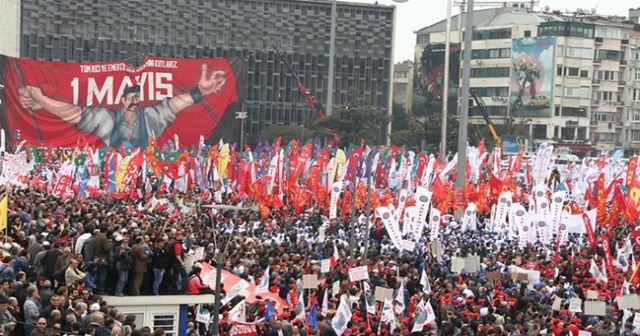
(242, 116)
(530, 123)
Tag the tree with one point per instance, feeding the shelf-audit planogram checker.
(357, 120)
(287, 132)
(405, 129)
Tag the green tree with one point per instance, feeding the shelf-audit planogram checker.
(287, 132)
(357, 120)
(406, 130)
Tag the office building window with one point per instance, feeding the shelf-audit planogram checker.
(539, 131)
(491, 53)
(635, 135)
(576, 92)
(492, 34)
(576, 52)
(490, 72)
(584, 73)
(607, 75)
(492, 91)
(606, 137)
(607, 96)
(527, 33)
(574, 111)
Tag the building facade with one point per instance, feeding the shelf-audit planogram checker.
(588, 107)
(87, 30)
(403, 84)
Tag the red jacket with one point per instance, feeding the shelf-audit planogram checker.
(195, 284)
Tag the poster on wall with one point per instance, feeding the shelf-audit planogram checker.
(429, 77)
(56, 104)
(532, 76)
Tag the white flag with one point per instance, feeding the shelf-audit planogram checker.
(424, 281)
(595, 271)
(299, 310)
(424, 315)
(342, 317)
(325, 303)
(238, 313)
(388, 316)
(399, 306)
(263, 286)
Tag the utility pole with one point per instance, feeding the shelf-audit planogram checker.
(464, 112)
(332, 56)
(216, 305)
(445, 88)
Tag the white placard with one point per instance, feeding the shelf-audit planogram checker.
(199, 254)
(325, 266)
(335, 288)
(636, 320)
(575, 305)
(596, 308)
(408, 245)
(358, 273)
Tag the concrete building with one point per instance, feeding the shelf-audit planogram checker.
(590, 79)
(403, 84)
(87, 30)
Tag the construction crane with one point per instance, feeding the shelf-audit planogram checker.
(483, 111)
(306, 94)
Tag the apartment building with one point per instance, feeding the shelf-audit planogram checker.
(570, 78)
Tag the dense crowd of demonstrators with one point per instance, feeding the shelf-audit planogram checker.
(61, 256)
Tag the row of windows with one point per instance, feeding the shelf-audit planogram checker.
(562, 28)
(610, 32)
(612, 55)
(490, 72)
(491, 53)
(570, 133)
(570, 111)
(607, 75)
(571, 72)
(612, 96)
(574, 52)
(492, 34)
(491, 91)
(606, 117)
(572, 92)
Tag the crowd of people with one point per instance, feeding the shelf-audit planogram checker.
(62, 256)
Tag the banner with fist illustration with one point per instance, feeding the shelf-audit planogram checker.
(56, 104)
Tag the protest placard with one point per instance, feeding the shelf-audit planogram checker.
(358, 273)
(575, 305)
(596, 308)
(383, 293)
(309, 281)
(325, 266)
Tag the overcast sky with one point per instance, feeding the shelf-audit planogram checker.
(415, 14)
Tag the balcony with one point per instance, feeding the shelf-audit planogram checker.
(622, 82)
(623, 63)
(594, 123)
(599, 39)
(597, 60)
(596, 81)
(624, 42)
(595, 102)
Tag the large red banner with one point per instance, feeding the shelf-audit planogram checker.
(57, 104)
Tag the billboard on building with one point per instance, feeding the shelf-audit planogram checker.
(56, 104)
(429, 77)
(532, 76)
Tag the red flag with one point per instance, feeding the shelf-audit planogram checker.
(635, 234)
(631, 171)
(591, 236)
(607, 256)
